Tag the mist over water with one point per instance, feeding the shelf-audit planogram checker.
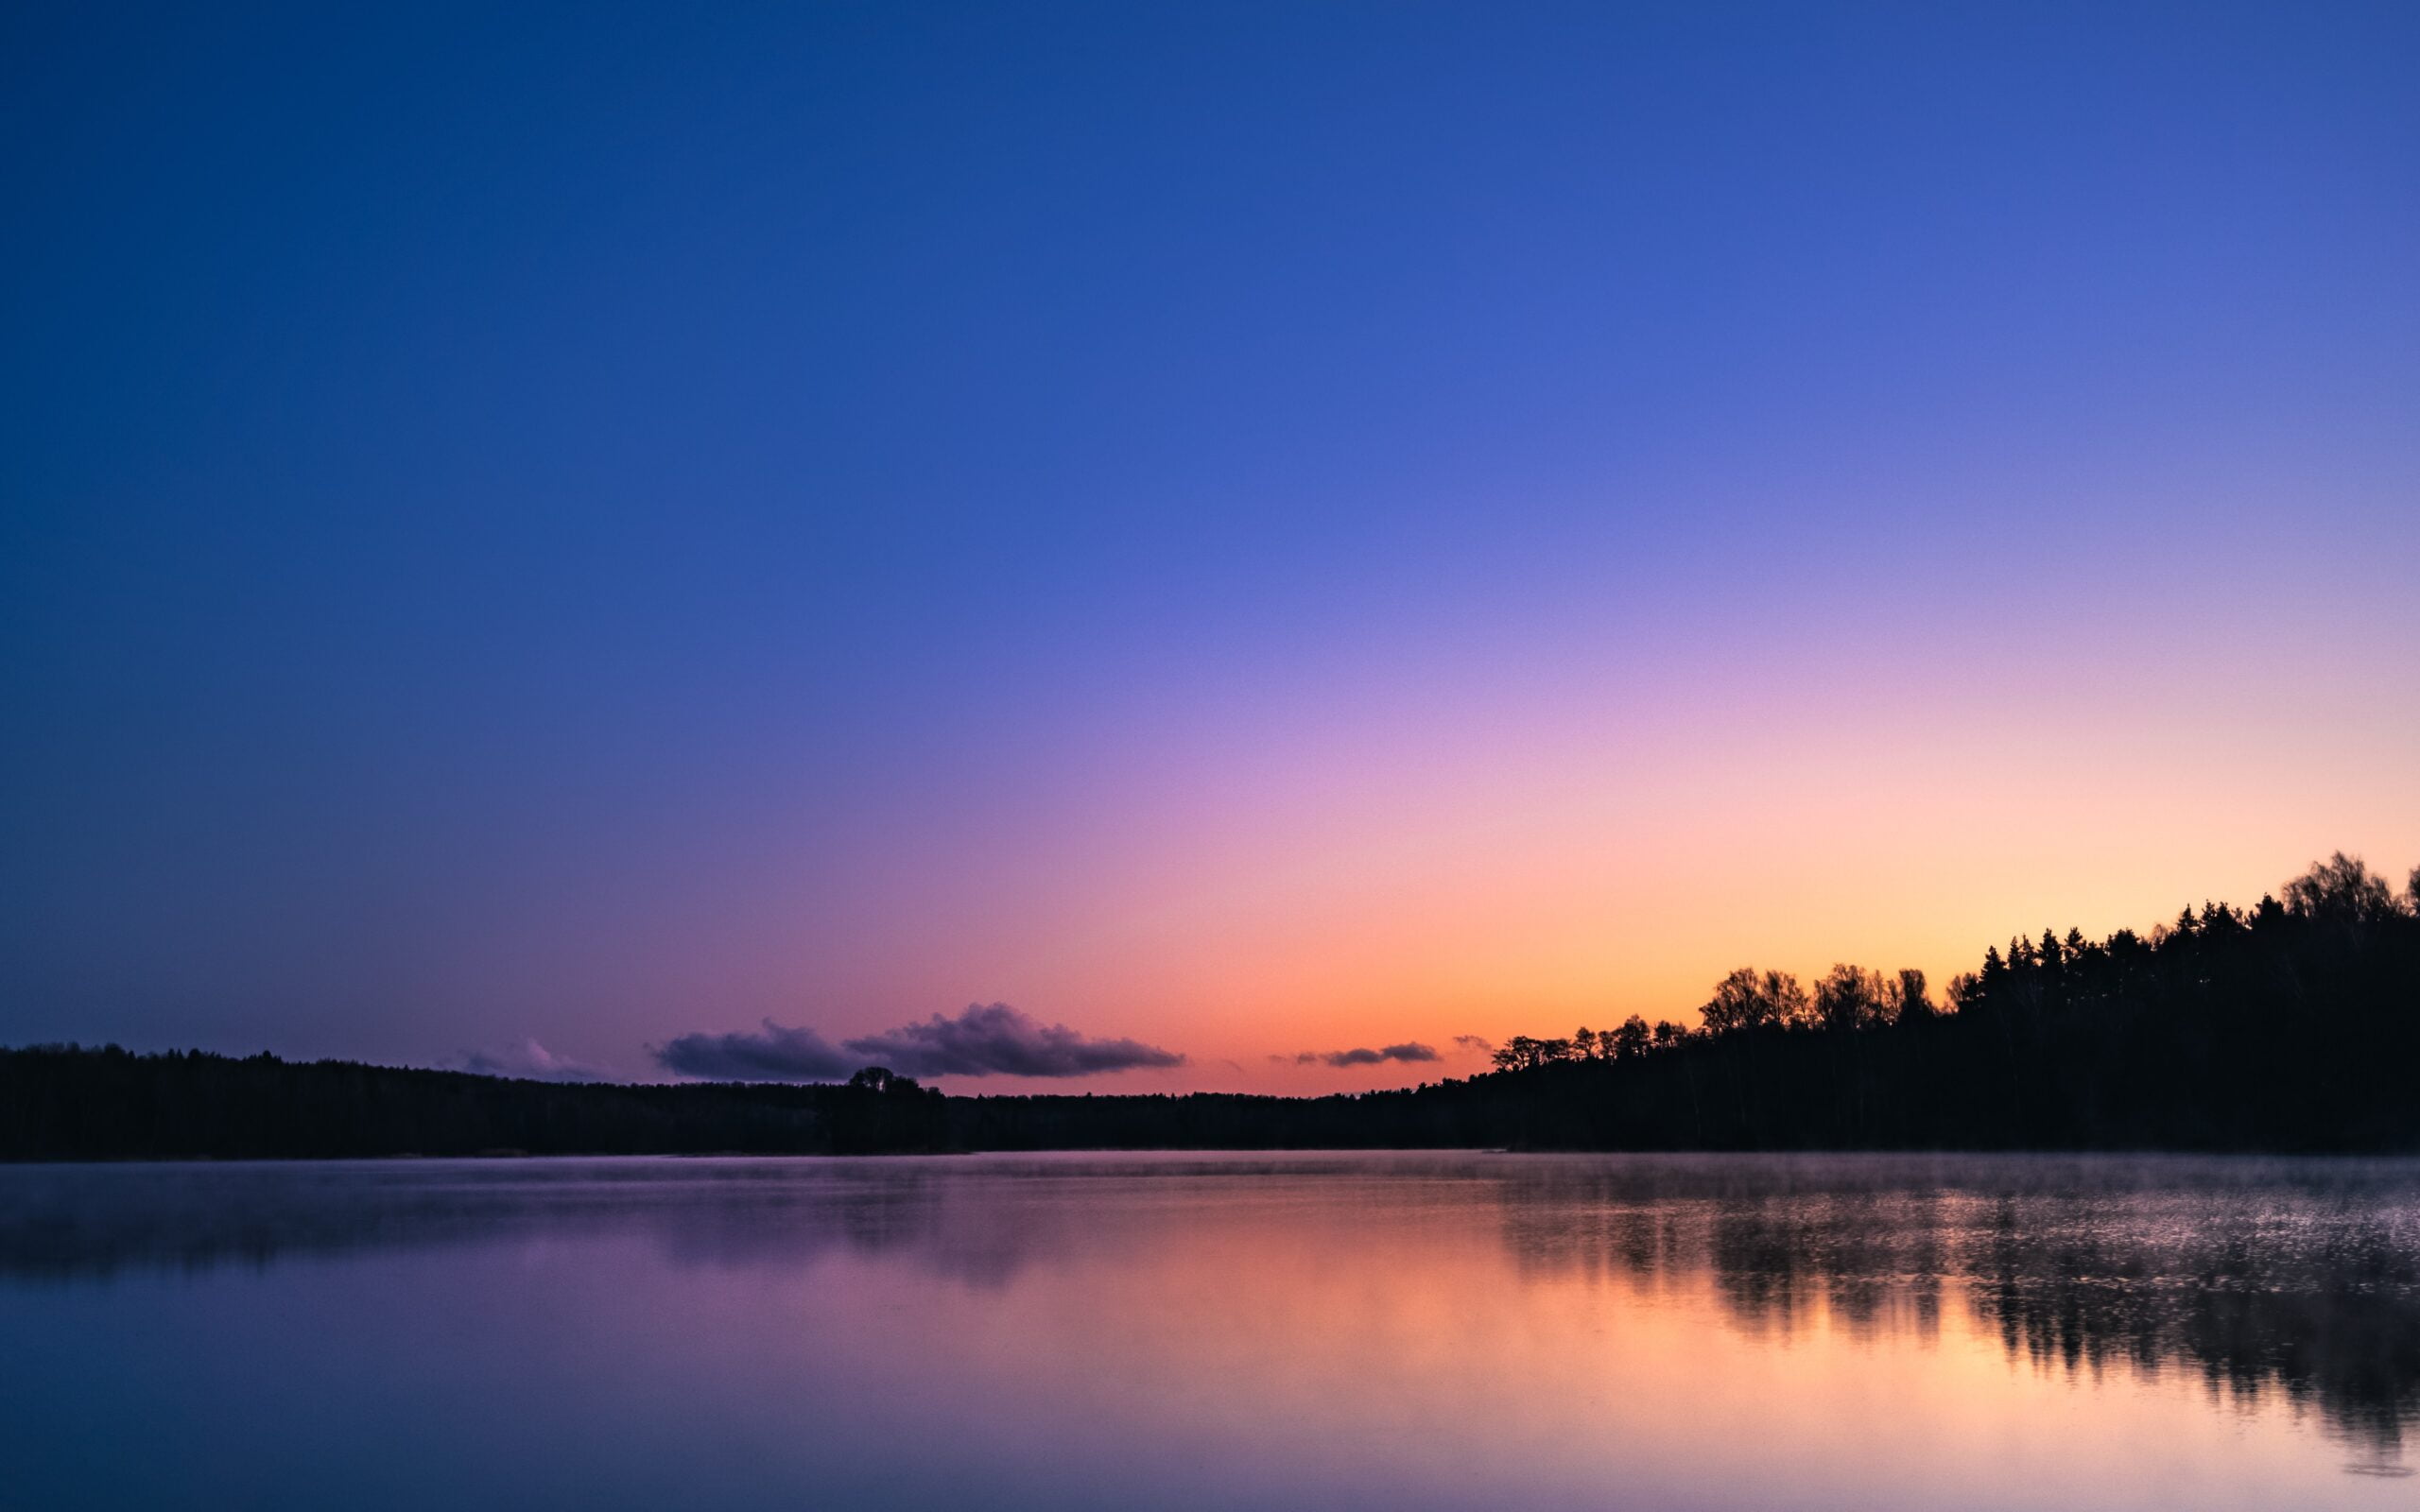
(1303, 1329)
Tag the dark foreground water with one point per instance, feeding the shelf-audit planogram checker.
(1397, 1331)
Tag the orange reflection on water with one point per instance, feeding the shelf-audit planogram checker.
(1543, 1330)
(1311, 1330)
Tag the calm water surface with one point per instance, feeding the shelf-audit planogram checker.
(1397, 1331)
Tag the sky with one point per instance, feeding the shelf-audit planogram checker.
(1148, 548)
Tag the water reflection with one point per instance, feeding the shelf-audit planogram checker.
(2301, 1278)
(2264, 1282)
(978, 1222)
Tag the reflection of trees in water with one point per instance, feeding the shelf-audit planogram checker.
(2304, 1293)
(2300, 1278)
(976, 1221)
(2259, 1277)
(68, 1222)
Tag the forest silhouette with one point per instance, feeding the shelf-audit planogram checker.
(2293, 1025)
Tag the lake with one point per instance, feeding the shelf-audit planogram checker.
(1384, 1331)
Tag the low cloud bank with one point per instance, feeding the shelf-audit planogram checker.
(987, 1039)
(772, 1053)
(1475, 1042)
(528, 1062)
(1410, 1050)
(997, 1038)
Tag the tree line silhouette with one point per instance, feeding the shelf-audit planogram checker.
(71, 1102)
(2291, 1025)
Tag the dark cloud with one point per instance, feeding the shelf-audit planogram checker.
(988, 1040)
(1479, 1043)
(996, 1039)
(528, 1061)
(1410, 1051)
(773, 1053)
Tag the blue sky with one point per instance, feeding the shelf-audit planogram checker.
(603, 524)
